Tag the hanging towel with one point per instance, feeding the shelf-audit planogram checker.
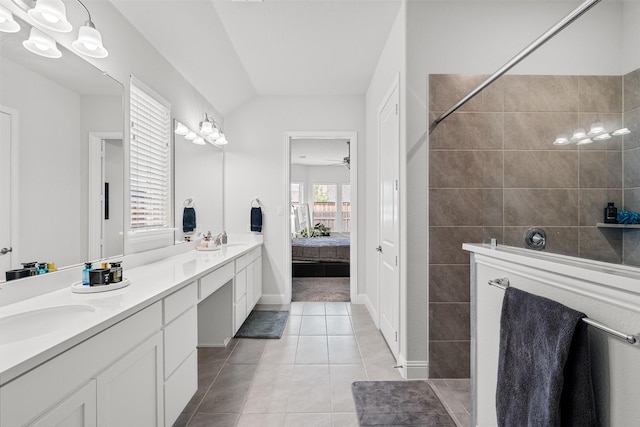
(188, 219)
(544, 373)
(256, 219)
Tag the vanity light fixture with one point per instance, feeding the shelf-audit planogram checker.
(623, 131)
(222, 140)
(191, 135)
(584, 141)
(7, 23)
(41, 44)
(51, 14)
(578, 134)
(602, 137)
(596, 129)
(199, 141)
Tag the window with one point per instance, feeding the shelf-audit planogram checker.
(150, 153)
(297, 195)
(324, 205)
(346, 208)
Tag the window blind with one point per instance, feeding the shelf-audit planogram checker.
(150, 172)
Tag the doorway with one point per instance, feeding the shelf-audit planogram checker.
(321, 192)
(106, 209)
(9, 244)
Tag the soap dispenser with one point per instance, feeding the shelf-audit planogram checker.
(610, 214)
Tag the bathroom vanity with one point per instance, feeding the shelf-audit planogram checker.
(125, 356)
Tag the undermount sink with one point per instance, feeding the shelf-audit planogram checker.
(41, 321)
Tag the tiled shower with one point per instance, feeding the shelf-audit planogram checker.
(494, 173)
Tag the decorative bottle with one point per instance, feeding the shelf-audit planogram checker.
(610, 214)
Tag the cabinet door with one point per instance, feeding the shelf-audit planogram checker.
(78, 410)
(257, 280)
(130, 392)
(250, 288)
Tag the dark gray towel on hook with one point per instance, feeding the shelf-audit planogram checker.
(544, 373)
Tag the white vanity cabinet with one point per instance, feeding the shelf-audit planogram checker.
(121, 366)
(180, 357)
(247, 288)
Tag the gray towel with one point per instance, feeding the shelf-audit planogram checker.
(544, 374)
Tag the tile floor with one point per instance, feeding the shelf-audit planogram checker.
(304, 378)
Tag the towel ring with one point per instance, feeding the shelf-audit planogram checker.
(189, 203)
(257, 203)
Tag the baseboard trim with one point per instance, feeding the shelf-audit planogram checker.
(277, 299)
(414, 369)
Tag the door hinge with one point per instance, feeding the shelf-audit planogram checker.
(396, 336)
(396, 109)
(396, 185)
(396, 260)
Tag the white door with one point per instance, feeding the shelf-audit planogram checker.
(388, 169)
(5, 193)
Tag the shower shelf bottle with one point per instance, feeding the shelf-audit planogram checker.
(610, 214)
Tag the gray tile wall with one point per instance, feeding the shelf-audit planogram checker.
(494, 172)
(631, 155)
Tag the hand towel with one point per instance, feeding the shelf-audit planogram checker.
(188, 219)
(256, 219)
(544, 374)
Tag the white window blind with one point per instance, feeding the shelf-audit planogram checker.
(150, 159)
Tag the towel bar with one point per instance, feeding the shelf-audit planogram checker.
(503, 283)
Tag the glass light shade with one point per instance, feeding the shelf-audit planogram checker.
(561, 140)
(7, 23)
(602, 137)
(578, 134)
(41, 44)
(89, 42)
(215, 133)
(181, 129)
(199, 141)
(222, 140)
(51, 14)
(584, 141)
(191, 135)
(206, 127)
(596, 128)
(623, 131)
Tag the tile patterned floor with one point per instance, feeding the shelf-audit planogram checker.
(304, 378)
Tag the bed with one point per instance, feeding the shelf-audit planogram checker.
(321, 249)
(320, 256)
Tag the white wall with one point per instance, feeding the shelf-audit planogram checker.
(630, 36)
(114, 175)
(255, 165)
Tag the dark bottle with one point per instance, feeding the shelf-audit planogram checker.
(610, 214)
(116, 272)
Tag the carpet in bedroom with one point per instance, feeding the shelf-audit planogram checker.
(321, 289)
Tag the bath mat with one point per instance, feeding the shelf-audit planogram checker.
(263, 324)
(398, 403)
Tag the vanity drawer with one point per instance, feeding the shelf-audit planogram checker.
(248, 258)
(215, 280)
(180, 339)
(178, 302)
(240, 313)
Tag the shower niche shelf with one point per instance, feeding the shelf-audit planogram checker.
(623, 226)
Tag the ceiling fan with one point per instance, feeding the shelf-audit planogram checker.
(346, 161)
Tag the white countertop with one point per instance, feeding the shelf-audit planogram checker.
(149, 283)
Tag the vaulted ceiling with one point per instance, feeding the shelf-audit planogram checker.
(232, 51)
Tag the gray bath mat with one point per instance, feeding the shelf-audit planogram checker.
(398, 403)
(263, 324)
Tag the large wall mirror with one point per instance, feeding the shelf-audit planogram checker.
(199, 184)
(53, 113)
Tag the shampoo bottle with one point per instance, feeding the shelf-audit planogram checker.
(610, 214)
(85, 273)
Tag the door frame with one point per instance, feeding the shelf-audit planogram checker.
(352, 136)
(96, 184)
(13, 187)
